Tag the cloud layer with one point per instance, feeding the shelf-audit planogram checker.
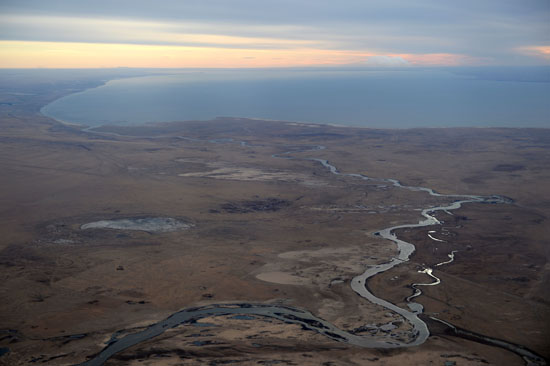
(305, 32)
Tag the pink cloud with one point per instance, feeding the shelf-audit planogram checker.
(536, 51)
(441, 59)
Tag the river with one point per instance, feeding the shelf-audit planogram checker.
(308, 320)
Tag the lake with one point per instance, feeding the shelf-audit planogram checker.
(369, 98)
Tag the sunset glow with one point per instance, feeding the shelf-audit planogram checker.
(182, 34)
(15, 54)
(537, 51)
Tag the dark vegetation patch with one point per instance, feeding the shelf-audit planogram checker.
(265, 205)
(323, 135)
(508, 167)
(473, 180)
(159, 352)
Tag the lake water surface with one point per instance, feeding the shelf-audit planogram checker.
(367, 98)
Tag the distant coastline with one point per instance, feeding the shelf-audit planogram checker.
(70, 123)
(344, 98)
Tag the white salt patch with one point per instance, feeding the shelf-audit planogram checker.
(151, 224)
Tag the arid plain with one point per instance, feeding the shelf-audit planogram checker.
(264, 229)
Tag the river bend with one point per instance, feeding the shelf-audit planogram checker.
(306, 319)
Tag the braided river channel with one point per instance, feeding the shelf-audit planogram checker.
(308, 320)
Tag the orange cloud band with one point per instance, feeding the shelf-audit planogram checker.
(536, 51)
(31, 54)
(25, 54)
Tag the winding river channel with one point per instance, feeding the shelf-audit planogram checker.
(309, 321)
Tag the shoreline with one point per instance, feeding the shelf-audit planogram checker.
(105, 81)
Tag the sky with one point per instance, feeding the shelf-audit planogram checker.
(266, 33)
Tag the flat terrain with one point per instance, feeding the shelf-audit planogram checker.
(259, 228)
